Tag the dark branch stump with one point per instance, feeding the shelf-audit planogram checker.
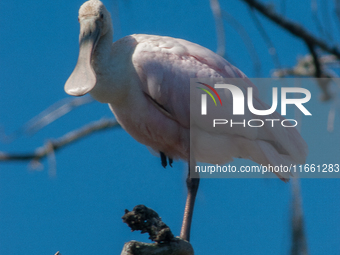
(148, 221)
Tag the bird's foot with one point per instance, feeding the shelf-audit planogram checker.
(164, 161)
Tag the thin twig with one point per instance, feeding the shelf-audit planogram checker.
(314, 10)
(323, 83)
(54, 145)
(332, 112)
(318, 71)
(54, 112)
(266, 38)
(299, 240)
(52, 162)
(337, 14)
(327, 22)
(46, 117)
(293, 27)
(331, 118)
(220, 34)
(246, 40)
(337, 8)
(283, 7)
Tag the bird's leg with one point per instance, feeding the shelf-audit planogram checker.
(192, 185)
(170, 162)
(163, 159)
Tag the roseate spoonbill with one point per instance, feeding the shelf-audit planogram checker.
(145, 80)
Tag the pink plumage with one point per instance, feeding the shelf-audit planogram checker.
(145, 79)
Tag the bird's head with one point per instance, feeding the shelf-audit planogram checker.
(95, 22)
(94, 12)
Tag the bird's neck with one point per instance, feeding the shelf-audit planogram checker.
(114, 70)
(102, 64)
(102, 53)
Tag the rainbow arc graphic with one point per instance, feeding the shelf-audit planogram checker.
(204, 97)
(209, 93)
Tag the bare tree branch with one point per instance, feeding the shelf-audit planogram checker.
(53, 145)
(312, 66)
(305, 67)
(292, 27)
(177, 247)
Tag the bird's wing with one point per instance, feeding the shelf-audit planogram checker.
(165, 66)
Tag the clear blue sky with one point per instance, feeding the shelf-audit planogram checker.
(79, 211)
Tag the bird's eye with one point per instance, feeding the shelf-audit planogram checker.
(101, 15)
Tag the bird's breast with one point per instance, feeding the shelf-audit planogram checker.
(154, 128)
